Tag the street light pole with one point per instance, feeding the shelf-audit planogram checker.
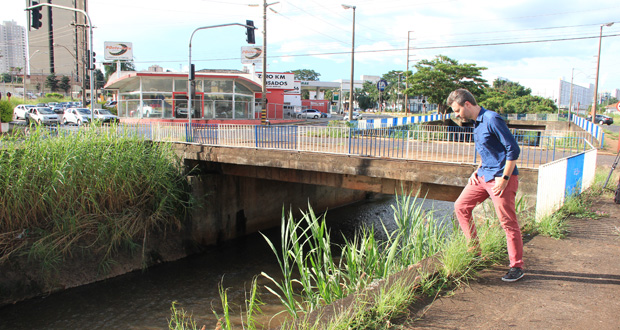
(190, 78)
(406, 81)
(570, 99)
(263, 112)
(598, 63)
(352, 62)
(26, 71)
(91, 65)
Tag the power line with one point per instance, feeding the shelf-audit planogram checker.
(399, 49)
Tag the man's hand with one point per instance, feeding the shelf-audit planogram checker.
(500, 185)
(474, 179)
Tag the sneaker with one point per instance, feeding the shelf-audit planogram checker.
(514, 274)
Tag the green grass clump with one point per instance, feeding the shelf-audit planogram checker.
(95, 190)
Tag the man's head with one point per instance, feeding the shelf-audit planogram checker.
(464, 104)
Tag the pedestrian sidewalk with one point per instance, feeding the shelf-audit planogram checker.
(573, 283)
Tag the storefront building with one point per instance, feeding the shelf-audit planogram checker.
(163, 95)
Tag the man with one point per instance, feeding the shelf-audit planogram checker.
(495, 177)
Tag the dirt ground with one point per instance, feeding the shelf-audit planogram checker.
(573, 283)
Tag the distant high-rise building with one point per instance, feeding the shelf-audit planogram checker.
(12, 48)
(62, 41)
(582, 96)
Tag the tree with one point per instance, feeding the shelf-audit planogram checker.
(51, 82)
(511, 97)
(65, 84)
(99, 80)
(305, 74)
(395, 87)
(111, 68)
(436, 79)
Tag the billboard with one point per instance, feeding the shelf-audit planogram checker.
(251, 55)
(279, 80)
(121, 51)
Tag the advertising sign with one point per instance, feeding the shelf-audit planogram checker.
(113, 51)
(278, 80)
(251, 55)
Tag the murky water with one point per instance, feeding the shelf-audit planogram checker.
(142, 300)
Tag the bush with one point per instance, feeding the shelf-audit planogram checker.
(54, 95)
(6, 111)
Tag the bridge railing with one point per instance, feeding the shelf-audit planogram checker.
(423, 142)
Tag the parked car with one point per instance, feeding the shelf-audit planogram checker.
(180, 111)
(105, 116)
(601, 119)
(309, 113)
(356, 115)
(110, 104)
(77, 116)
(149, 111)
(42, 116)
(21, 111)
(58, 109)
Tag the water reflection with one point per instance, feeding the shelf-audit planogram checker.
(142, 300)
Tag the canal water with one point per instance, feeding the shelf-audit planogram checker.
(142, 300)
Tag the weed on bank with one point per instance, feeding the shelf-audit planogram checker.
(93, 190)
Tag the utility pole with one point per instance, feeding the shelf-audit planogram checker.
(570, 99)
(598, 63)
(406, 81)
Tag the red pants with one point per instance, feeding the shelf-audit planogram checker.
(474, 194)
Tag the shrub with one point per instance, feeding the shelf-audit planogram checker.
(6, 111)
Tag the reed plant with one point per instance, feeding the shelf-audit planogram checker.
(96, 190)
(180, 319)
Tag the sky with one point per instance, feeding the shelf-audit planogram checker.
(532, 42)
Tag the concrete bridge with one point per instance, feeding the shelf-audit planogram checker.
(246, 176)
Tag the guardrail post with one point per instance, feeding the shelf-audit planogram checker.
(350, 139)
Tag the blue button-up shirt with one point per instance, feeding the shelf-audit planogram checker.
(495, 144)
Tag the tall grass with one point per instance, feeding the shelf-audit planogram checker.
(316, 272)
(94, 190)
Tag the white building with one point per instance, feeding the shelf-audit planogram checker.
(12, 48)
(582, 96)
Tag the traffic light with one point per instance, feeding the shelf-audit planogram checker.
(250, 32)
(192, 72)
(35, 21)
(92, 64)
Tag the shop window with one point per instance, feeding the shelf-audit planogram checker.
(156, 85)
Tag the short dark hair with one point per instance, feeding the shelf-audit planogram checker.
(460, 96)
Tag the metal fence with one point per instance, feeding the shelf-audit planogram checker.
(421, 142)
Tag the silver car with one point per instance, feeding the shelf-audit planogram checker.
(43, 115)
(309, 113)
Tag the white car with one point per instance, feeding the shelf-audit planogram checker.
(309, 113)
(149, 111)
(105, 116)
(77, 116)
(356, 116)
(43, 115)
(21, 111)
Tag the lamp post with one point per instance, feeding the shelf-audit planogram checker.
(91, 65)
(263, 112)
(398, 90)
(407, 70)
(352, 62)
(598, 63)
(26, 70)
